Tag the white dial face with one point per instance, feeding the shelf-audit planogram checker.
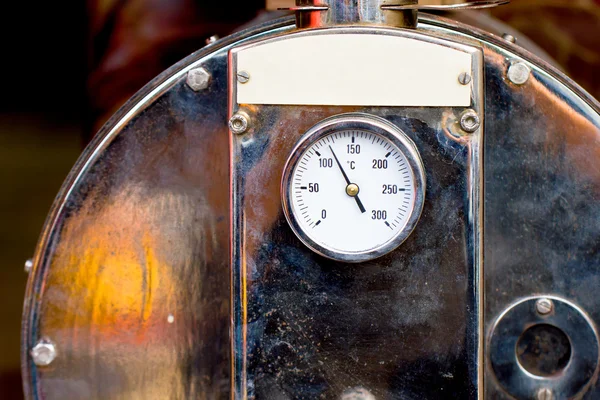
(352, 191)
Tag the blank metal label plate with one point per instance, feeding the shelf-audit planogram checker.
(354, 69)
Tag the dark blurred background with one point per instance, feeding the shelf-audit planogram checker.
(67, 66)
(41, 124)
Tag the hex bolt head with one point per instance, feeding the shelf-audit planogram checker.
(43, 353)
(464, 78)
(544, 306)
(198, 79)
(239, 123)
(28, 265)
(544, 394)
(518, 73)
(469, 121)
(243, 77)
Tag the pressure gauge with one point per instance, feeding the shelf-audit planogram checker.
(353, 187)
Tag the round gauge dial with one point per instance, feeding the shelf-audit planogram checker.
(353, 188)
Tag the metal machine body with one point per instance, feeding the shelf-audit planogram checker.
(167, 268)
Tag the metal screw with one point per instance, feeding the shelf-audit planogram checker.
(28, 265)
(464, 78)
(198, 79)
(544, 306)
(509, 38)
(43, 353)
(239, 123)
(243, 77)
(518, 73)
(212, 39)
(469, 121)
(545, 394)
(358, 393)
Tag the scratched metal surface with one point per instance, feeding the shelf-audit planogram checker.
(131, 277)
(542, 197)
(542, 220)
(401, 326)
(140, 231)
(542, 190)
(143, 236)
(309, 327)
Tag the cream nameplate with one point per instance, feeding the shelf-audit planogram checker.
(353, 69)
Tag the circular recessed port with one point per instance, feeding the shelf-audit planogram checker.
(544, 346)
(544, 350)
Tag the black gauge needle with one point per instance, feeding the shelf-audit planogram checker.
(358, 202)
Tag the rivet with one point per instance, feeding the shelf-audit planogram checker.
(28, 265)
(509, 38)
(239, 123)
(464, 78)
(198, 79)
(43, 353)
(518, 73)
(358, 393)
(243, 77)
(171, 318)
(212, 39)
(544, 306)
(469, 121)
(545, 394)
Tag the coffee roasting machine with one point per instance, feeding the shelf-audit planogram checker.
(359, 203)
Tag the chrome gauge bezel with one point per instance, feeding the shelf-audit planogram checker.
(369, 123)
